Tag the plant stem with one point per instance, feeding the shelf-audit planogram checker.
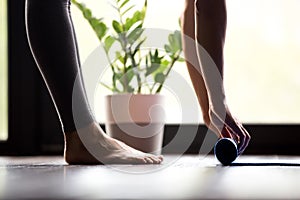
(124, 44)
(152, 88)
(168, 72)
(134, 66)
(111, 66)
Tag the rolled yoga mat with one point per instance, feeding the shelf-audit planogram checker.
(226, 151)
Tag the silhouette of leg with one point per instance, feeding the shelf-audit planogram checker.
(192, 61)
(211, 19)
(53, 44)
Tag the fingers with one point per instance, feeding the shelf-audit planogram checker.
(244, 136)
(246, 139)
(227, 132)
(231, 128)
(240, 136)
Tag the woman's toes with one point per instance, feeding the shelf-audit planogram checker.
(155, 159)
(149, 160)
(142, 161)
(161, 158)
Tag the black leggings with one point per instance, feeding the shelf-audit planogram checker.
(53, 44)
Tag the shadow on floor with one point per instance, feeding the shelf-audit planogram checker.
(266, 164)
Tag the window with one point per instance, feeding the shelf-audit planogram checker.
(261, 55)
(3, 72)
(262, 62)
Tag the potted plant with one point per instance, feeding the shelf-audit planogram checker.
(135, 109)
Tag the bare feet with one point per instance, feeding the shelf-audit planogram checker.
(230, 128)
(108, 150)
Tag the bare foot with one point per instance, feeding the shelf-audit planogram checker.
(109, 150)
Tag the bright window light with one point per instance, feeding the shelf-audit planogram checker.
(261, 56)
(3, 72)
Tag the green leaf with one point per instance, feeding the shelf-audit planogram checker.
(129, 75)
(177, 37)
(160, 78)
(137, 16)
(100, 29)
(147, 61)
(181, 59)
(113, 89)
(94, 22)
(84, 10)
(123, 4)
(87, 13)
(117, 26)
(98, 26)
(168, 48)
(120, 57)
(155, 57)
(155, 63)
(125, 79)
(172, 43)
(138, 46)
(156, 53)
(179, 22)
(108, 42)
(175, 43)
(130, 89)
(143, 12)
(130, 22)
(116, 77)
(153, 67)
(135, 35)
(163, 66)
(128, 9)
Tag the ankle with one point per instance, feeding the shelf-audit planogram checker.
(206, 119)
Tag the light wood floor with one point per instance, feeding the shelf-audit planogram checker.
(187, 177)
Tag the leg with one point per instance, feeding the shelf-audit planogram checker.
(53, 44)
(211, 19)
(192, 62)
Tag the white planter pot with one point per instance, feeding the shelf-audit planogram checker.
(137, 120)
